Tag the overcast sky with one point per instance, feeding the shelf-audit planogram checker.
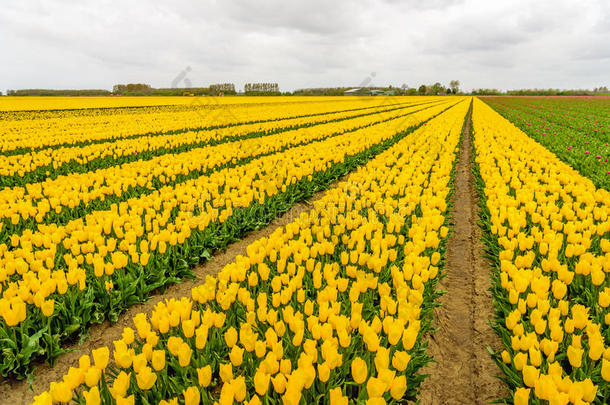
(314, 43)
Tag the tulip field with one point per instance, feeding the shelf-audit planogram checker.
(548, 234)
(106, 203)
(577, 131)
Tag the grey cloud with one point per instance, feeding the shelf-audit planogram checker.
(305, 44)
(315, 17)
(425, 5)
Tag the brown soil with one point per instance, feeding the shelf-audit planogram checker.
(18, 392)
(463, 371)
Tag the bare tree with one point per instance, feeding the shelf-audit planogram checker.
(455, 86)
(261, 88)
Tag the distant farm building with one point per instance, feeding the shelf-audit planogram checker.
(366, 91)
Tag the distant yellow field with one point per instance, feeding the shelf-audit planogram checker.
(66, 103)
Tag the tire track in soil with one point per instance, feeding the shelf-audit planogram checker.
(463, 371)
(18, 392)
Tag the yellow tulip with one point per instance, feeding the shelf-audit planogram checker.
(559, 289)
(506, 357)
(520, 360)
(261, 382)
(158, 360)
(386, 376)
(522, 396)
(323, 372)
(43, 399)
(226, 372)
(530, 375)
(260, 347)
(575, 356)
(604, 298)
(122, 356)
(84, 362)
(359, 370)
(371, 339)
(279, 383)
(201, 337)
(236, 356)
(184, 355)
(60, 392)
(92, 397)
(398, 387)
(285, 366)
(589, 390)
(382, 359)
(580, 315)
(309, 375)
(436, 256)
(92, 376)
(74, 378)
(239, 388)
(605, 371)
(596, 347)
(48, 307)
(230, 337)
(188, 328)
(255, 400)
(174, 343)
(146, 378)
(375, 387)
(191, 396)
(120, 385)
(204, 376)
(101, 357)
(128, 335)
(535, 356)
(409, 338)
(336, 397)
(139, 362)
(130, 400)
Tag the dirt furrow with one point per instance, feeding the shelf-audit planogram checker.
(463, 371)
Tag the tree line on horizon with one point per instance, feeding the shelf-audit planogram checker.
(271, 89)
(142, 89)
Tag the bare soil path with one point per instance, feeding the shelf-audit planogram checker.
(464, 371)
(17, 392)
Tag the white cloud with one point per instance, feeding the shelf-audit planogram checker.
(503, 44)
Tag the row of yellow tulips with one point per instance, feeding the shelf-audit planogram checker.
(70, 130)
(23, 207)
(332, 306)
(27, 105)
(38, 165)
(549, 235)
